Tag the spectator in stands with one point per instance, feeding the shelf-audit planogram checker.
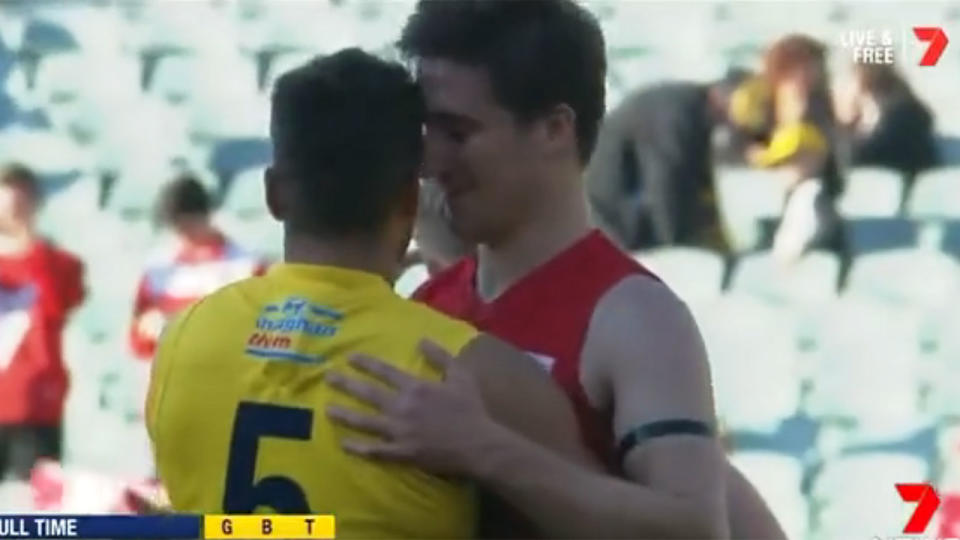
(887, 125)
(803, 144)
(650, 181)
(438, 245)
(40, 285)
(200, 261)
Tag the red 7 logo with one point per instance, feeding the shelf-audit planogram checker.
(938, 42)
(928, 503)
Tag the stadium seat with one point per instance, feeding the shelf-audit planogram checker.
(936, 194)
(281, 28)
(637, 66)
(738, 360)
(872, 192)
(812, 279)
(909, 436)
(745, 196)
(182, 77)
(857, 495)
(223, 116)
(54, 158)
(132, 202)
(191, 26)
(369, 25)
(951, 238)
(694, 274)
(147, 135)
(865, 235)
(232, 156)
(245, 218)
(906, 276)
(134, 192)
(42, 36)
(867, 363)
(16, 497)
(64, 210)
(94, 29)
(246, 198)
(949, 149)
(943, 401)
(282, 62)
(410, 279)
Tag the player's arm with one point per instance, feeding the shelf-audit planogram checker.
(146, 323)
(493, 377)
(522, 396)
(654, 362)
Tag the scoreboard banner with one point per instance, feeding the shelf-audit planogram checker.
(170, 527)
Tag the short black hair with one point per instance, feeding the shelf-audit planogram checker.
(21, 178)
(182, 196)
(537, 53)
(348, 130)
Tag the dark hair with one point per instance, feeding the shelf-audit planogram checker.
(538, 54)
(21, 178)
(183, 196)
(347, 129)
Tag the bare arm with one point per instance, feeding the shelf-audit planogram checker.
(657, 370)
(523, 397)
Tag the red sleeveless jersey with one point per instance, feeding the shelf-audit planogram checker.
(546, 313)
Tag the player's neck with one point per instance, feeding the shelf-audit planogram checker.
(555, 225)
(17, 241)
(349, 254)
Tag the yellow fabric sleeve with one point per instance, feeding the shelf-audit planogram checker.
(788, 141)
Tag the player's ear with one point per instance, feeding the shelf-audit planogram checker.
(558, 130)
(273, 190)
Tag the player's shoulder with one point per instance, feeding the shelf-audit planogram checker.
(452, 278)
(640, 307)
(230, 299)
(421, 317)
(641, 287)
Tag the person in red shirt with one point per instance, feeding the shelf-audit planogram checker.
(201, 260)
(515, 94)
(40, 285)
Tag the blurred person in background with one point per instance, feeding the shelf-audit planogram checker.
(650, 180)
(200, 260)
(884, 122)
(438, 246)
(40, 285)
(802, 145)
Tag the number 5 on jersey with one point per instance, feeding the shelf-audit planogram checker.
(283, 494)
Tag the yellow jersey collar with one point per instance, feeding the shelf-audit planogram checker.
(346, 278)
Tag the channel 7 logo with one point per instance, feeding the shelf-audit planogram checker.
(927, 503)
(937, 39)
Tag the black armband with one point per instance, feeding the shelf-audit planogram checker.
(662, 428)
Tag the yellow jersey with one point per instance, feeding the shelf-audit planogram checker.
(236, 408)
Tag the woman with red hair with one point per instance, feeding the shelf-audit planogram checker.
(802, 142)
